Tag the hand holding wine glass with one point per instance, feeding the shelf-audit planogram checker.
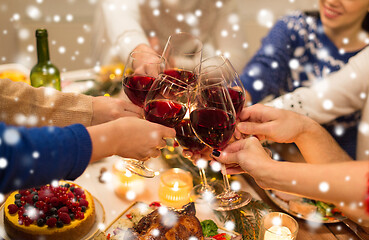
(213, 120)
(182, 52)
(166, 102)
(139, 73)
(189, 142)
(221, 66)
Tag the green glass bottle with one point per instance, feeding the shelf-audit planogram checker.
(44, 73)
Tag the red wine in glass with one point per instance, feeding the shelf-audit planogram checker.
(187, 138)
(214, 126)
(187, 77)
(215, 100)
(166, 112)
(238, 100)
(136, 88)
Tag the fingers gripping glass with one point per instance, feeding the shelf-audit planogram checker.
(213, 120)
(219, 65)
(182, 52)
(188, 140)
(165, 104)
(140, 71)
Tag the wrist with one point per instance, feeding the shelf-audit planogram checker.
(103, 141)
(265, 174)
(308, 129)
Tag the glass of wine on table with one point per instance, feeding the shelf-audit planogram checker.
(140, 72)
(213, 120)
(182, 53)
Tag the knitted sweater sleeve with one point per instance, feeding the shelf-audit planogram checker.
(339, 94)
(268, 69)
(36, 156)
(21, 104)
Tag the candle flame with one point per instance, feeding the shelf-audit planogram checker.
(175, 187)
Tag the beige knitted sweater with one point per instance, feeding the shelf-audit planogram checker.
(21, 104)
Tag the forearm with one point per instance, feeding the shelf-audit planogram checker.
(318, 146)
(104, 140)
(343, 184)
(22, 104)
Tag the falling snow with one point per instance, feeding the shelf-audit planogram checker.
(202, 163)
(236, 186)
(35, 154)
(216, 166)
(3, 163)
(11, 136)
(324, 187)
(258, 85)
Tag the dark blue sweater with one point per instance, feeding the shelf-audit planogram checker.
(296, 52)
(32, 157)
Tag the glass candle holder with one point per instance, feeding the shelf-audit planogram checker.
(175, 187)
(127, 184)
(278, 226)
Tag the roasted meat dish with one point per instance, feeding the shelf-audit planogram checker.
(154, 226)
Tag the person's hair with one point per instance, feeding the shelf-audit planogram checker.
(364, 24)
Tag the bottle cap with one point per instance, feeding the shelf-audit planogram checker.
(41, 33)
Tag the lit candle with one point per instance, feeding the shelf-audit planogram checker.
(127, 183)
(278, 226)
(175, 187)
(278, 233)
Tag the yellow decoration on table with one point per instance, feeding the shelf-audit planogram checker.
(14, 75)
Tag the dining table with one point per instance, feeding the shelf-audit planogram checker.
(102, 189)
(97, 180)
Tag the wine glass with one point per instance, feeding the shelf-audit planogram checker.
(182, 53)
(166, 101)
(188, 141)
(140, 71)
(213, 120)
(221, 65)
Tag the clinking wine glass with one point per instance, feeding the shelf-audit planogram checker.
(213, 120)
(140, 71)
(182, 53)
(219, 65)
(166, 101)
(188, 141)
(165, 104)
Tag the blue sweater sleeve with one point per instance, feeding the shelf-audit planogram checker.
(36, 156)
(267, 71)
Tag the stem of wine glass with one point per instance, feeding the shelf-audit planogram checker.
(204, 181)
(227, 187)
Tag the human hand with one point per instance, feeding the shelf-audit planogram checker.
(248, 101)
(141, 139)
(246, 155)
(273, 124)
(205, 154)
(144, 63)
(105, 109)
